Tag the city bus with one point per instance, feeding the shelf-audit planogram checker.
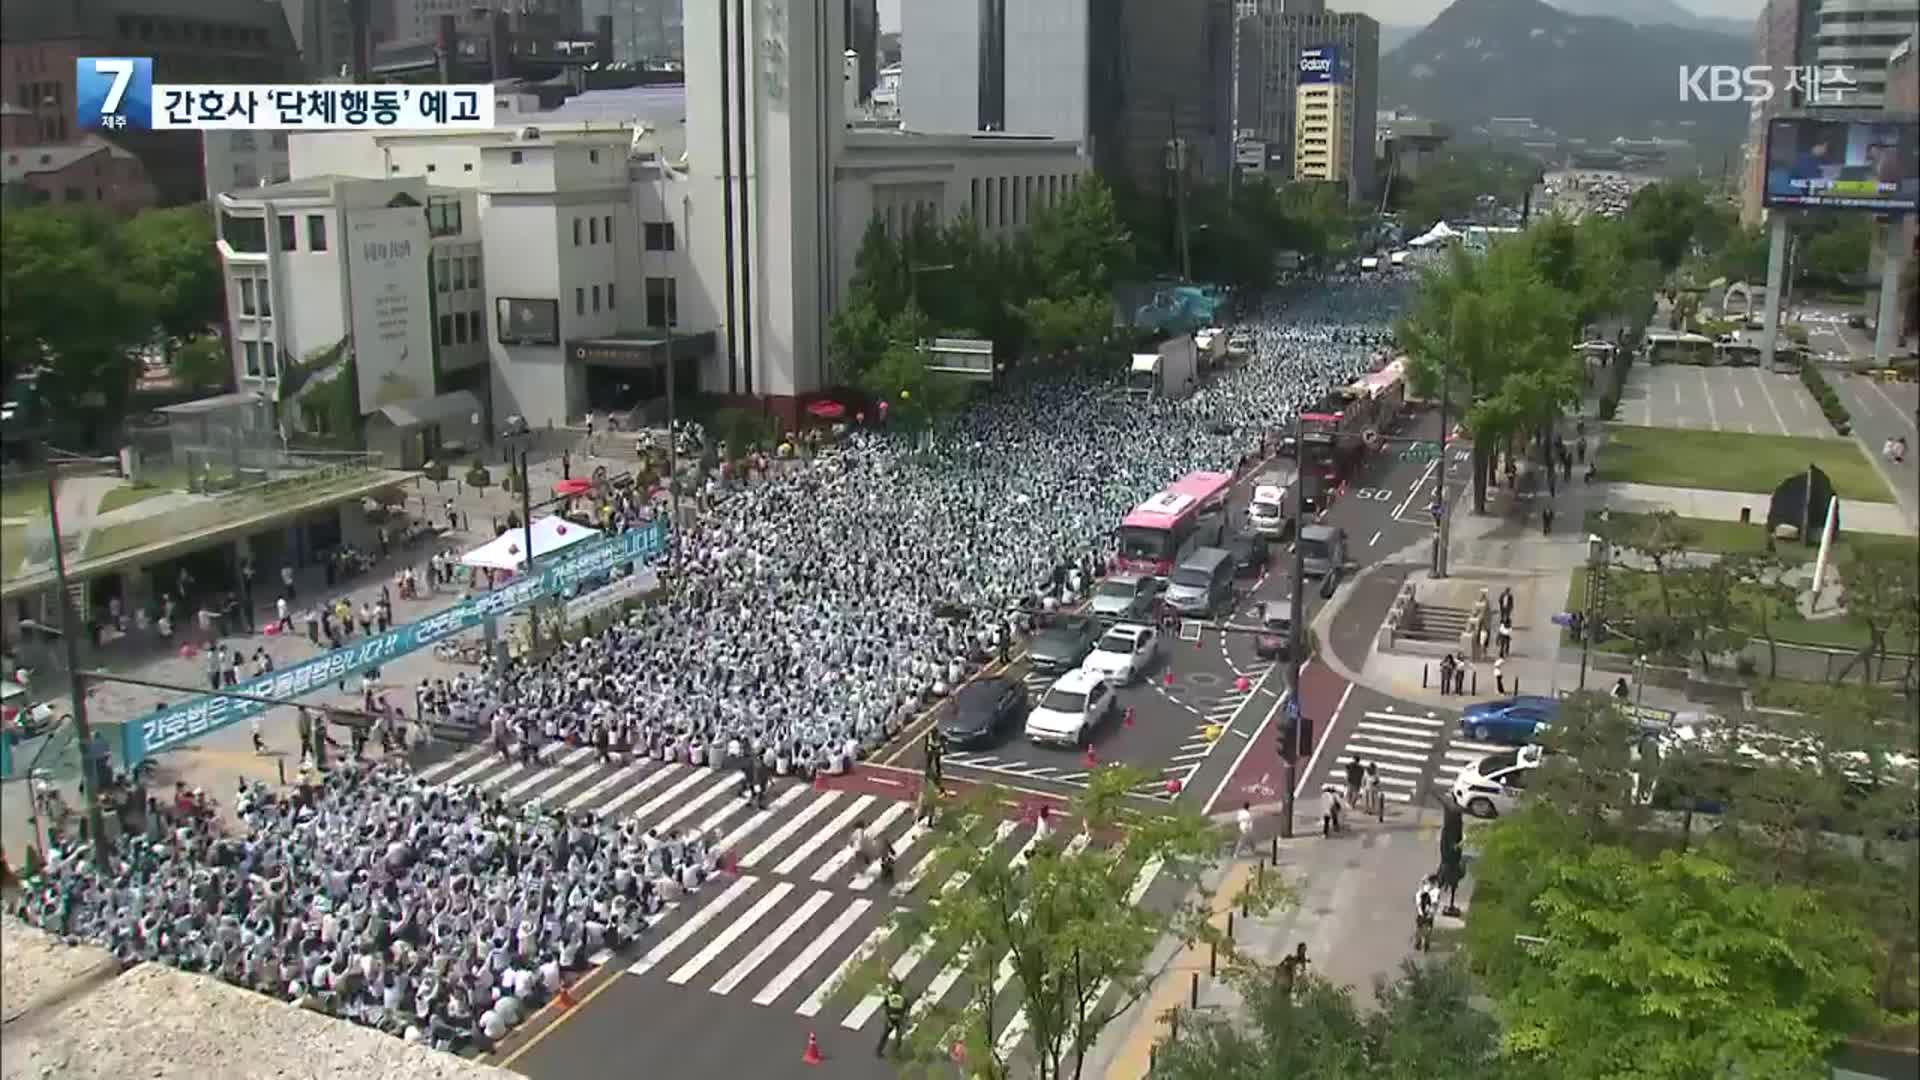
(1191, 513)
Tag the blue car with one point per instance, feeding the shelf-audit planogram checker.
(1513, 721)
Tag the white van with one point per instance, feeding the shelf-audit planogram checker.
(1270, 513)
(1071, 709)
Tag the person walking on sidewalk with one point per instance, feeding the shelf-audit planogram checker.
(1500, 677)
(1505, 635)
(1506, 604)
(1243, 819)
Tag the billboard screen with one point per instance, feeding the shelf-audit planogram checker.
(1320, 65)
(527, 322)
(392, 317)
(1867, 164)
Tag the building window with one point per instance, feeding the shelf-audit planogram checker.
(1003, 203)
(473, 271)
(252, 350)
(289, 236)
(442, 275)
(443, 216)
(446, 330)
(596, 299)
(593, 230)
(593, 156)
(973, 199)
(246, 297)
(576, 232)
(516, 157)
(459, 266)
(316, 232)
(268, 365)
(266, 298)
(459, 329)
(663, 308)
(606, 228)
(659, 236)
(474, 329)
(610, 303)
(579, 301)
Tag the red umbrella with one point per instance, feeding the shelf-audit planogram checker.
(827, 410)
(573, 487)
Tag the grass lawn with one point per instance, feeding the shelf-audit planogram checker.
(1733, 461)
(23, 500)
(1733, 538)
(13, 547)
(122, 497)
(1636, 590)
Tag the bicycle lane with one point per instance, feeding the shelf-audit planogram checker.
(1258, 776)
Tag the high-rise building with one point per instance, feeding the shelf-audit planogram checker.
(1162, 70)
(1903, 97)
(1323, 117)
(1016, 66)
(642, 29)
(1270, 41)
(1779, 37)
(1858, 36)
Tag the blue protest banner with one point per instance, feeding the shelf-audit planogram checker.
(177, 724)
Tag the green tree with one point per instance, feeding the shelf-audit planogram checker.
(1743, 256)
(1664, 220)
(171, 254)
(1079, 246)
(1836, 251)
(1677, 969)
(1076, 324)
(1424, 1025)
(1763, 599)
(1461, 185)
(203, 364)
(71, 307)
(913, 395)
(1709, 609)
(1064, 925)
(1662, 539)
(1882, 596)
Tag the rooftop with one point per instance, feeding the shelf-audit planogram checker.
(21, 162)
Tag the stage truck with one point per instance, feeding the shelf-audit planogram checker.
(1337, 431)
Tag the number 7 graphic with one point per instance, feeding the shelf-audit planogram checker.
(122, 72)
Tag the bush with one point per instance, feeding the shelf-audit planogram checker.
(478, 477)
(1609, 405)
(435, 471)
(1816, 383)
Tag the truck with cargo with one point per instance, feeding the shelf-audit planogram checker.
(1171, 370)
(1211, 346)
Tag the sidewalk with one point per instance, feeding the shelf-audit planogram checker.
(1355, 896)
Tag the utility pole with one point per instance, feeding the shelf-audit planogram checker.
(1440, 495)
(76, 681)
(526, 529)
(1296, 638)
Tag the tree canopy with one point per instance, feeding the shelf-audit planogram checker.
(1457, 185)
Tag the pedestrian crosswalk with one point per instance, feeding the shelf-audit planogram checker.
(1404, 745)
(800, 909)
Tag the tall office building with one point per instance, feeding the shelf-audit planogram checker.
(1323, 117)
(1860, 36)
(1017, 66)
(1780, 39)
(642, 29)
(1270, 41)
(1162, 70)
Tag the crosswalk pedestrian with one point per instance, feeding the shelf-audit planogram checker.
(1414, 752)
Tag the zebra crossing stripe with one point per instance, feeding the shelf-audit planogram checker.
(1423, 721)
(818, 999)
(494, 779)
(735, 930)
(567, 783)
(1385, 766)
(547, 773)
(785, 832)
(1397, 729)
(761, 818)
(693, 925)
(658, 801)
(609, 781)
(687, 808)
(772, 942)
(471, 771)
(432, 773)
(815, 949)
(877, 829)
(1387, 752)
(900, 847)
(834, 828)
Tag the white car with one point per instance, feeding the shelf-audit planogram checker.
(1070, 710)
(1492, 785)
(1123, 653)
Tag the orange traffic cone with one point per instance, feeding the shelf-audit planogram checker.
(813, 1055)
(1167, 680)
(1173, 786)
(1242, 684)
(1126, 718)
(564, 999)
(819, 781)
(1092, 758)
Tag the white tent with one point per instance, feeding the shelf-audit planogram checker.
(1435, 235)
(509, 551)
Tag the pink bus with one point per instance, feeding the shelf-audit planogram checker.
(1189, 514)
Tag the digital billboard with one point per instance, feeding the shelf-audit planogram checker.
(1867, 164)
(527, 322)
(1320, 64)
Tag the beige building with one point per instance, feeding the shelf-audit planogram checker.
(1323, 120)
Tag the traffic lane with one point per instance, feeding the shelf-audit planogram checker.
(1363, 609)
(1883, 411)
(671, 1033)
(1257, 775)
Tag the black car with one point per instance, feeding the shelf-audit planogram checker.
(1064, 643)
(984, 711)
(1250, 553)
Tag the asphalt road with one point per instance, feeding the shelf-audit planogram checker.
(1881, 411)
(1741, 399)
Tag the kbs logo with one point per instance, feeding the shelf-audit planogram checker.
(1761, 82)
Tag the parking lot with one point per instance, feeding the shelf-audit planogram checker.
(1743, 399)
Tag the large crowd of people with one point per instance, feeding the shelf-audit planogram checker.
(807, 617)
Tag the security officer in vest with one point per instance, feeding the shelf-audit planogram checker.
(895, 1023)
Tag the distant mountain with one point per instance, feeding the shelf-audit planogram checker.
(1584, 77)
(1656, 13)
(1392, 37)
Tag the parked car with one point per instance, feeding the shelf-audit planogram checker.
(1492, 785)
(1124, 653)
(1512, 721)
(1126, 596)
(1071, 710)
(984, 711)
(1063, 644)
(1276, 630)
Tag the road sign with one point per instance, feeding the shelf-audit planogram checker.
(197, 716)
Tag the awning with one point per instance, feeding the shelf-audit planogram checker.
(426, 412)
(508, 551)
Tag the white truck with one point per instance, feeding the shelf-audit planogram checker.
(1171, 371)
(1211, 344)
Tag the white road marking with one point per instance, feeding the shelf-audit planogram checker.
(878, 830)
(692, 926)
(471, 771)
(657, 801)
(819, 839)
(772, 942)
(548, 773)
(1376, 538)
(727, 842)
(1333, 722)
(900, 847)
(793, 825)
(432, 773)
(606, 784)
(818, 999)
(1706, 389)
(779, 983)
(735, 930)
(725, 786)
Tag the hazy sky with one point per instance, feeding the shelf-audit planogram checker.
(1418, 12)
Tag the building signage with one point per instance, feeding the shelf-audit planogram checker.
(1320, 65)
(387, 288)
(170, 727)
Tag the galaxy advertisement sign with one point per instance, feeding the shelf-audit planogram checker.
(1320, 65)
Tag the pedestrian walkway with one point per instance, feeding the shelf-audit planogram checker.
(799, 910)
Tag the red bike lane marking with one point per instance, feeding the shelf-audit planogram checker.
(1260, 777)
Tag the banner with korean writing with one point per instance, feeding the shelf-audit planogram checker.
(177, 724)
